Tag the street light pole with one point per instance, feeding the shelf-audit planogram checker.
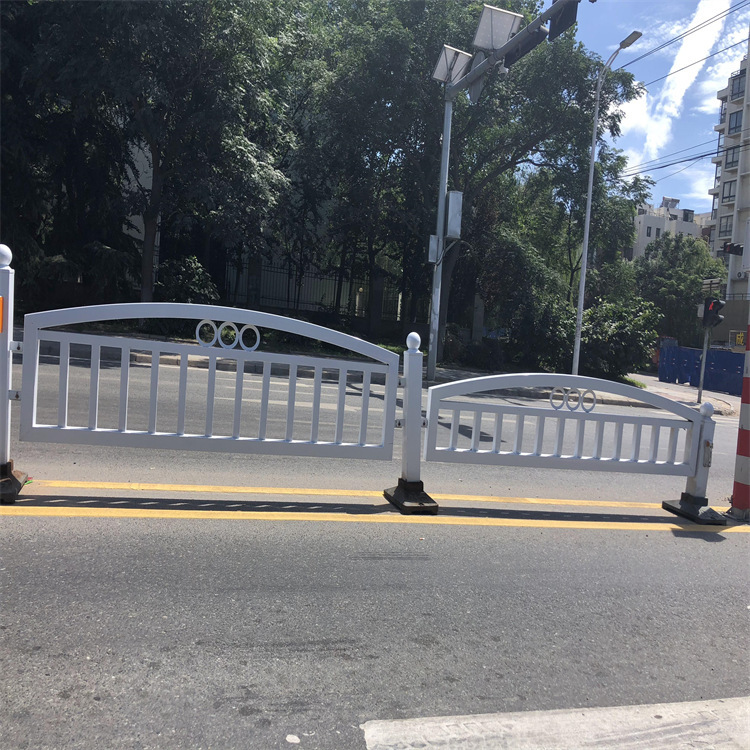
(630, 39)
(437, 270)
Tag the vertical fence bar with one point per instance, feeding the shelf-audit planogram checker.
(598, 439)
(291, 400)
(637, 433)
(341, 406)
(654, 451)
(62, 392)
(455, 424)
(580, 431)
(96, 353)
(154, 391)
(264, 401)
(674, 436)
(210, 396)
(182, 394)
(497, 438)
(239, 383)
(122, 422)
(366, 376)
(617, 452)
(538, 443)
(559, 436)
(316, 404)
(476, 431)
(519, 434)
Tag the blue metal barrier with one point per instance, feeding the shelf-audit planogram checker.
(678, 364)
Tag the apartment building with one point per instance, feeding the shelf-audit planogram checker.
(651, 223)
(730, 210)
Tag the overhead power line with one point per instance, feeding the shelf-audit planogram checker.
(702, 25)
(692, 159)
(690, 65)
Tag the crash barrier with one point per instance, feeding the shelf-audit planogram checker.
(679, 364)
(227, 390)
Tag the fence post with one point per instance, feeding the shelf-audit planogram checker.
(409, 495)
(10, 481)
(693, 503)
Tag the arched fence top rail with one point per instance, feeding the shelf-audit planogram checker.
(553, 380)
(219, 315)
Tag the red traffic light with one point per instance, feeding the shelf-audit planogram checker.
(711, 308)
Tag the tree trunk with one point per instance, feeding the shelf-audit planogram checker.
(151, 228)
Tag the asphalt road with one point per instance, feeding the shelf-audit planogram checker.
(144, 616)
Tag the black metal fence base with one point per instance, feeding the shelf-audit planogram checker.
(696, 509)
(11, 482)
(411, 499)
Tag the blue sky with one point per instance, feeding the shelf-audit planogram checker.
(680, 111)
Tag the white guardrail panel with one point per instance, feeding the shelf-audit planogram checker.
(250, 400)
(559, 432)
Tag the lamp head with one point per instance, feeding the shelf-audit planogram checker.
(631, 38)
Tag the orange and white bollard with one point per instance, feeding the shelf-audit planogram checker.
(740, 500)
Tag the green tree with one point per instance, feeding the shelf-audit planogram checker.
(670, 275)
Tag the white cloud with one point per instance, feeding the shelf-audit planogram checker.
(719, 68)
(668, 104)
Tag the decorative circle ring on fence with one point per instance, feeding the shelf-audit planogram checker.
(572, 398)
(227, 335)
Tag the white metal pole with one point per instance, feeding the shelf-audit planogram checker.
(624, 44)
(587, 224)
(411, 452)
(437, 270)
(6, 356)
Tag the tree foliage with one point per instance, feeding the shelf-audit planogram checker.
(670, 275)
(308, 133)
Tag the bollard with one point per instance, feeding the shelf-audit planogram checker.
(11, 481)
(409, 495)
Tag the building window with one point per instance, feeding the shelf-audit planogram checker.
(729, 191)
(658, 233)
(735, 122)
(715, 208)
(725, 226)
(733, 157)
(738, 85)
(648, 231)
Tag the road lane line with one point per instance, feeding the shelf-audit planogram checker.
(223, 515)
(318, 492)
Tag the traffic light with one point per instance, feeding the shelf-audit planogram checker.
(525, 45)
(734, 248)
(711, 308)
(562, 21)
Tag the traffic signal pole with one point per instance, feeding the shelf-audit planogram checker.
(706, 336)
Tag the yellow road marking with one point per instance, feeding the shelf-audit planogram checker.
(22, 509)
(317, 492)
(70, 512)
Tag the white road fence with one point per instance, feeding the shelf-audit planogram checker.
(229, 388)
(220, 392)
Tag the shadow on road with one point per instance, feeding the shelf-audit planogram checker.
(207, 505)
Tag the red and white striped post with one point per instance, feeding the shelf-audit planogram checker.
(740, 509)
